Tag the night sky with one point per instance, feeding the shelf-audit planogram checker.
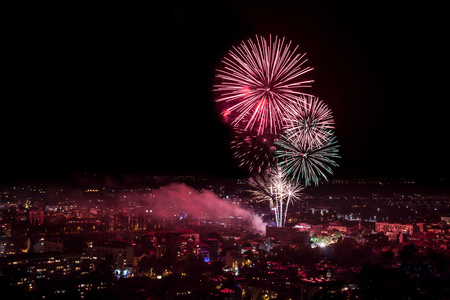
(129, 89)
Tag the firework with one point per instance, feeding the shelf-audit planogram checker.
(260, 82)
(307, 163)
(310, 123)
(253, 152)
(276, 189)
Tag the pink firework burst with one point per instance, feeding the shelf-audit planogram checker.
(260, 82)
(310, 124)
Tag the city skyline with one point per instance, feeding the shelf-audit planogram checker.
(225, 150)
(130, 91)
(164, 239)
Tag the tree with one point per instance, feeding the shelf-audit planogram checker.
(407, 253)
(366, 231)
(216, 267)
(387, 256)
(337, 234)
(215, 235)
(376, 282)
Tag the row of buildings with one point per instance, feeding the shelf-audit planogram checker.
(155, 254)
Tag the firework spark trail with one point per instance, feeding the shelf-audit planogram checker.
(276, 189)
(260, 82)
(306, 163)
(261, 91)
(253, 152)
(311, 122)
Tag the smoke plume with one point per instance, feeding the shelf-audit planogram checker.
(178, 197)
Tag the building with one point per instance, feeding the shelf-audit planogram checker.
(288, 235)
(266, 245)
(36, 217)
(214, 248)
(339, 227)
(3, 248)
(374, 238)
(30, 267)
(323, 209)
(179, 243)
(48, 246)
(318, 229)
(121, 255)
(303, 227)
(394, 228)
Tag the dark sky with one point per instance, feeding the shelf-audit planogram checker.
(128, 89)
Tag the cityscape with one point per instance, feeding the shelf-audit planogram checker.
(355, 239)
(248, 150)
